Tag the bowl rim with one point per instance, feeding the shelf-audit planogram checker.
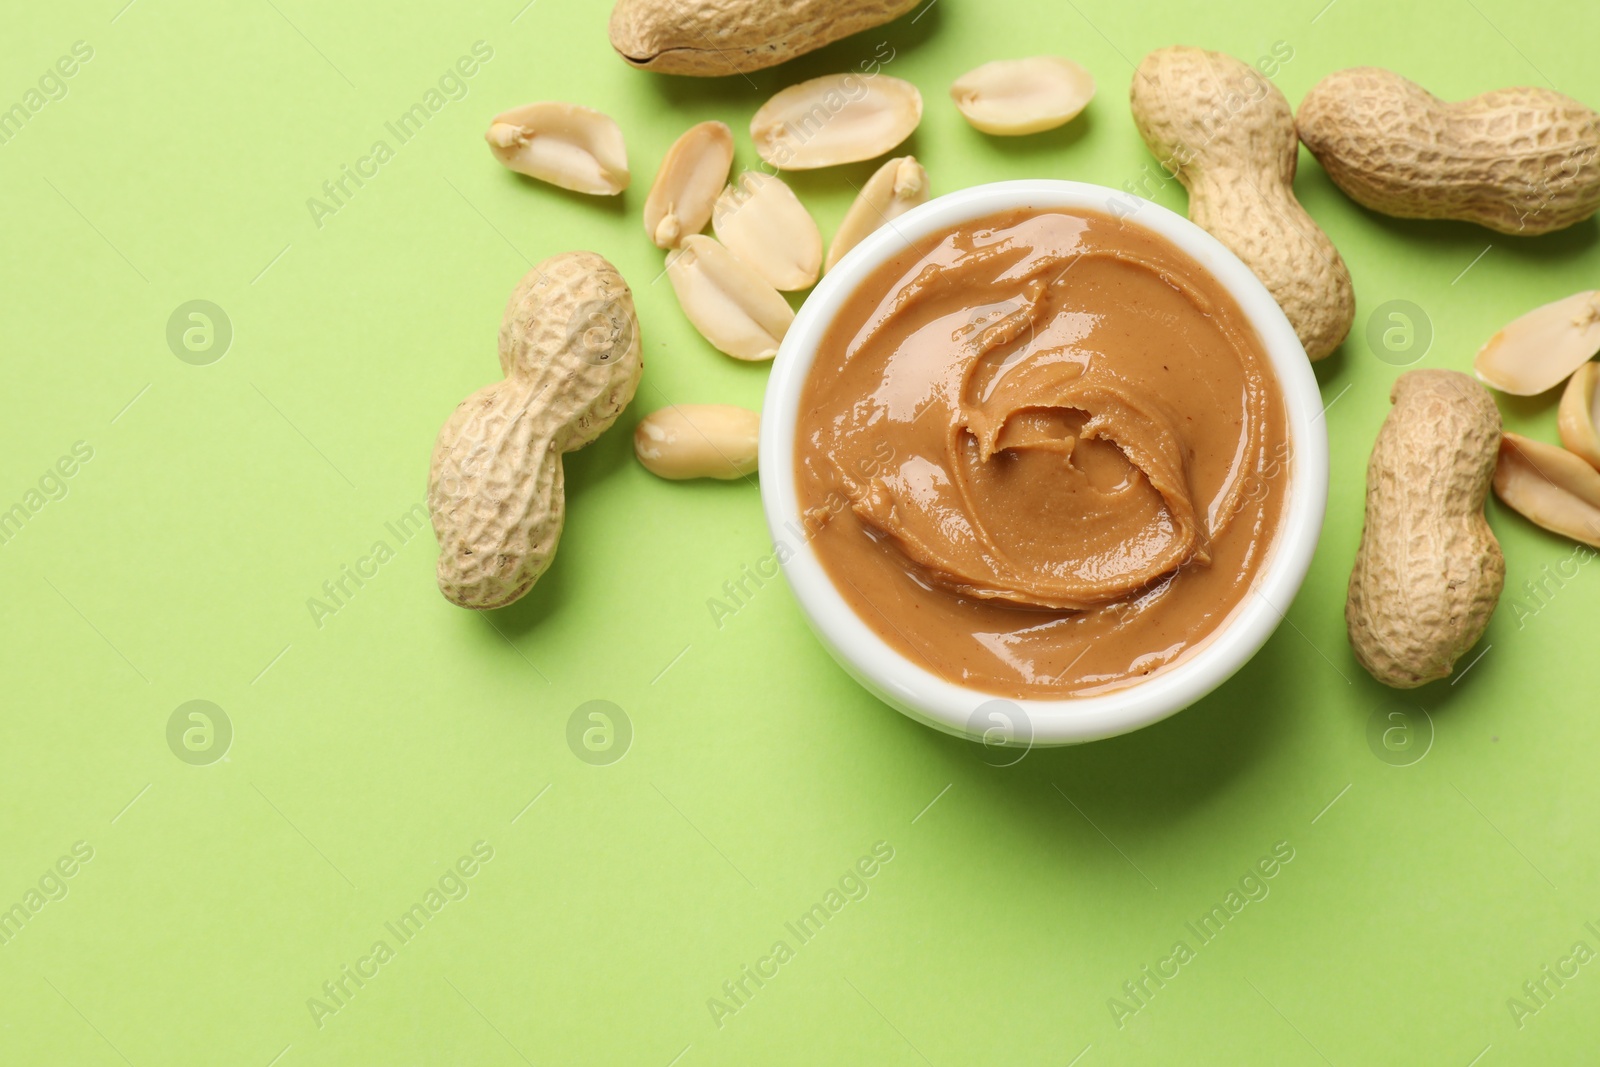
(969, 712)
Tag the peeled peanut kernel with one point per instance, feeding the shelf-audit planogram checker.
(834, 119)
(760, 220)
(574, 147)
(1537, 351)
(686, 187)
(1550, 487)
(727, 301)
(698, 441)
(895, 188)
(1580, 414)
(1010, 97)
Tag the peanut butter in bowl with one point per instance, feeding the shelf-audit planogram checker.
(1042, 454)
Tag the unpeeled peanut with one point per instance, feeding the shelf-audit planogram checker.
(1429, 571)
(737, 36)
(698, 441)
(1228, 135)
(1515, 160)
(569, 349)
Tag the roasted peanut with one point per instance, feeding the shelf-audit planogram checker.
(1011, 97)
(1429, 571)
(1521, 161)
(1539, 350)
(894, 188)
(569, 350)
(574, 147)
(698, 441)
(737, 36)
(1549, 486)
(686, 187)
(834, 119)
(1579, 418)
(1228, 135)
(731, 305)
(759, 219)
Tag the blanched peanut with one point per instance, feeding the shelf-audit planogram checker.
(1549, 486)
(1580, 414)
(1011, 97)
(759, 219)
(698, 441)
(834, 119)
(686, 187)
(895, 188)
(575, 147)
(1538, 350)
(731, 305)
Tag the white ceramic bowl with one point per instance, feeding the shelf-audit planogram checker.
(970, 712)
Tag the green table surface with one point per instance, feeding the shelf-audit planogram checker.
(1430, 852)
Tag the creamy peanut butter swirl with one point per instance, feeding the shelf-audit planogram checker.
(1042, 414)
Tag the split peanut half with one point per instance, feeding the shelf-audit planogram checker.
(698, 441)
(759, 219)
(1580, 414)
(1550, 486)
(727, 301)
(574, 147)
(897, 187)
(686, 187)
(1010, 97)
(834, 119)
(1539, 350)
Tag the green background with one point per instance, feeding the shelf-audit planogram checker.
(371, 752)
